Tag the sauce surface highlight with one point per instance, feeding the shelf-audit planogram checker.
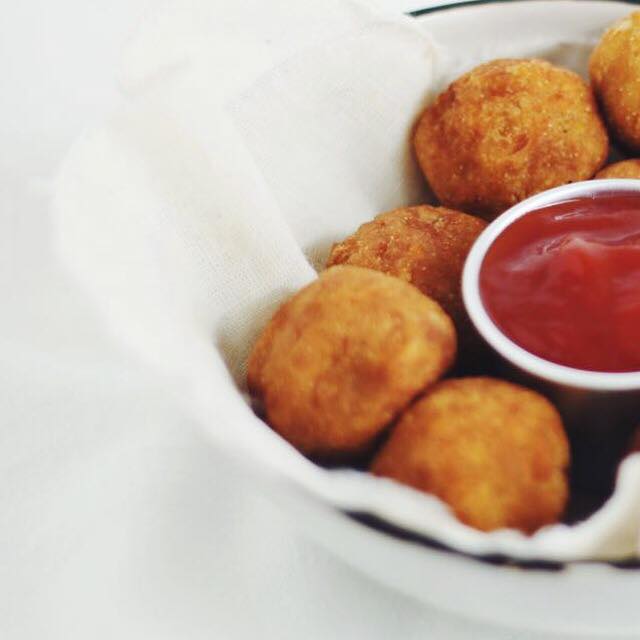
(563, 282)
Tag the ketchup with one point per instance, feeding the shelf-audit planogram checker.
(563, 282)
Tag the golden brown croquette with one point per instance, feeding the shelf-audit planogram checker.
(506, 130)
(615, 76)
(495, 452)
(340, 359)
(426, 246)
(622, 169)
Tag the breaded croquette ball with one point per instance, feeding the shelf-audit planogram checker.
(615, 76)
(495, 452)
(506, 130)
(340, 360)
(426, 246)
(623, 169)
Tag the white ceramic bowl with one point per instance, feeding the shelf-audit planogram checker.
(128, 219)
(587, 599)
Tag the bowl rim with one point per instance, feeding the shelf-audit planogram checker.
(507, 348)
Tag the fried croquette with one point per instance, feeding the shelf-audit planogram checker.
(622, 169)
(426, 246)
(339, 360)
(506, 130)
(495, 452)
(614, 68)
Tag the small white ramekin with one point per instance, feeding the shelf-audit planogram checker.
(585, 398)
(509, 350)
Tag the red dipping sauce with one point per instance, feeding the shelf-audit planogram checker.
(563, 282)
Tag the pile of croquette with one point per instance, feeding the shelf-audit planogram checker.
(371, 361)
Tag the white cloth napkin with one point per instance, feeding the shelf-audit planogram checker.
(254, 137)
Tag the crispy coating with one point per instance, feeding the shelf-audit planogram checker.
(344, 356)
(495, 452)
(622, 169)
(423, 245)
(506, 130)
(615, 76)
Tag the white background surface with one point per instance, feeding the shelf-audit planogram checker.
(203, 554)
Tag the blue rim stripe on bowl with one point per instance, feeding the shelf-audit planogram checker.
(469, 3)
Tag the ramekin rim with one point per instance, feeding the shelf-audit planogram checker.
(505, 347)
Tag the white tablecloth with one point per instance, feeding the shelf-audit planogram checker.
(96, 542)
